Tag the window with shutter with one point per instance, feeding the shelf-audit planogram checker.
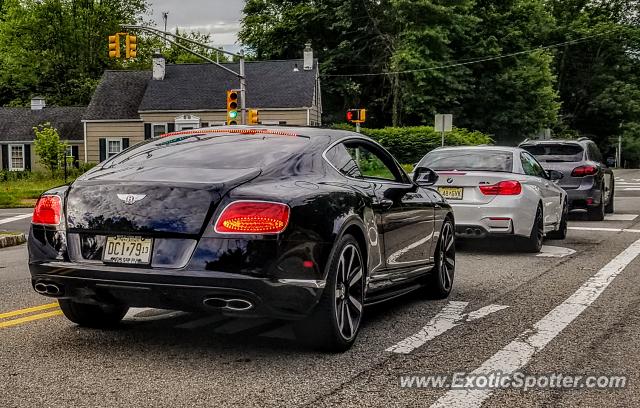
(16, 157)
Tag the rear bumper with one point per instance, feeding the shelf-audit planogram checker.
(179, 289)
(494, 219)
(584, 197)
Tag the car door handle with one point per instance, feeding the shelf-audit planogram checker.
(384, 204)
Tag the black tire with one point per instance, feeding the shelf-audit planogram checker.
(596, 213)
(440, 281)
(95, 316)
(533, 243)
(561, 232)
(335, 321)
(609, 207)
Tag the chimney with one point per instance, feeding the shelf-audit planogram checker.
(158, 67)
(37, 103)
(308, 57)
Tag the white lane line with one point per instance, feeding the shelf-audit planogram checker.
(449, 317)
(604, 229)
(620, 217)
(485, 311)
(16, 218)
(517, 354)
(631, 189)
(549, 251)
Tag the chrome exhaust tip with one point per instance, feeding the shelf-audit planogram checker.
(232, 304)
(41, 288)
(47, 288)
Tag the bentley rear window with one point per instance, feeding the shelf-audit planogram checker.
(235, 151)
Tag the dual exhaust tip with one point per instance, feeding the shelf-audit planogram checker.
(473, 231)
(231, 304)
(48, 288)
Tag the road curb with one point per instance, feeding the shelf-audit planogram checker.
(12, 240)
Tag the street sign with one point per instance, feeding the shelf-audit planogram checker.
(444, 122)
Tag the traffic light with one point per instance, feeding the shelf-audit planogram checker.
(114, 46)
(253, 118)
(356, 115)
(131, 46)
(232, 107)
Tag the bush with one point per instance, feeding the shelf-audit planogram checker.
(410, 144)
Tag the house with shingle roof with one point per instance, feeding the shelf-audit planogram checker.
(17, 134)
(131, 106)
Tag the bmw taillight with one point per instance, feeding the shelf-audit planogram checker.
(48, 211)
(584, 171)
(253, 217)
(507, 187)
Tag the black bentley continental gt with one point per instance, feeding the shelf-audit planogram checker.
(303, 224)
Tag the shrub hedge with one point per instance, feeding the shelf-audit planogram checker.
(410, 144)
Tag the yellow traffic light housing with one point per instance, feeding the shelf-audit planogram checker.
(232, 107)
(356, 115)
(114, 46)
(253, 117)
(131, 46)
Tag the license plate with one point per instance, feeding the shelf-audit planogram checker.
(451, 193)
(128, 250)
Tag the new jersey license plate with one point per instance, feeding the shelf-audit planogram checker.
(451, 193)
(128, 250)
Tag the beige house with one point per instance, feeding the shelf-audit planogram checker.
(17, 136)
(131, 106)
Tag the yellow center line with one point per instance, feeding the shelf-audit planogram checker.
(29, 310)
(26, 319)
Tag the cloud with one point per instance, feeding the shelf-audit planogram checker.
(220, 18)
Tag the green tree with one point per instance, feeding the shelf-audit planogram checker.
(58, 48)
(598, 71)
(388, 56)
(48, 146)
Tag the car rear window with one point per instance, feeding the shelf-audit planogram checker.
(469, 160)
(556, 152)
(207, 151)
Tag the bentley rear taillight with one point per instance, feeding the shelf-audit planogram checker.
(507, 187)
(253, 217)
(48, 211)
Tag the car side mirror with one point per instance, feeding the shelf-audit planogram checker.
(424, 176)
(555, 175)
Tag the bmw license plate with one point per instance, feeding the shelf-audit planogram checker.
(451, 193)
(128, 250)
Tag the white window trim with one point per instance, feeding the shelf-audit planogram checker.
(112, 139)
(10, 148)
(190, 121)
(153, 125)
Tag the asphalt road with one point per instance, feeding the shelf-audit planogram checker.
(571, 313)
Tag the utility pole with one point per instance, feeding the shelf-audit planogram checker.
(241, 75)
(619, 149)
(243, 89)
(165, 17)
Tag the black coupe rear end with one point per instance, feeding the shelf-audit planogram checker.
(241, 221)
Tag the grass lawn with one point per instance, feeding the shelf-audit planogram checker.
(24, 193)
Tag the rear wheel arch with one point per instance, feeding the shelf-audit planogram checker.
(357, 232)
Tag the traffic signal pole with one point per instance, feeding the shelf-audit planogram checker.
(243, 90)
(241, 75)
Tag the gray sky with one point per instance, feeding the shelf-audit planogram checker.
(221, 18)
